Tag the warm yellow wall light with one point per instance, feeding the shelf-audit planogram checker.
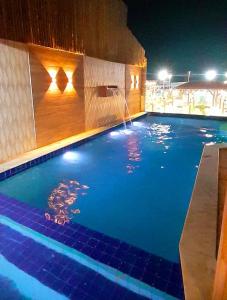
(53, 88)
(132, 82)
(69, 87)
(137, 81)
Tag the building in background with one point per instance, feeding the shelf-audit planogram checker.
(200, 98)
(56, 57)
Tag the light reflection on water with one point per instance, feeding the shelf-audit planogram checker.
(62, 199)
(134, 153)
(157, 133)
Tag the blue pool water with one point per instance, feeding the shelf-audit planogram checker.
(134, 184)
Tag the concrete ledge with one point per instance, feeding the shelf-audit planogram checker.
(39, 152)
(199, 237)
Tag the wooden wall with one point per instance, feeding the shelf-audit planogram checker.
(49, 94)
(220, 283)
(133, 90)
(62, 111)
(95, 27)
(103, 111)
(58, 107)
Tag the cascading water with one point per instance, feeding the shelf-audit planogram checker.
(115, 92)
(116, 106)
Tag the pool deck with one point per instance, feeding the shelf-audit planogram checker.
(42, 151)
(198, 243)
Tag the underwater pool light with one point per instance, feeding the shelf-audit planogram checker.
(138, 124)
(208, 135)
(114, 133)
(70, 155)
(126, 131)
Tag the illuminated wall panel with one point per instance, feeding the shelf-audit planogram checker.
(58, 94)
(102, 111)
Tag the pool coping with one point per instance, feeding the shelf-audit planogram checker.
(39, 155)
(198, 242)
(187, 116)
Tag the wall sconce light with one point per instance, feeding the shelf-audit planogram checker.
(137, 81)
(132, 82)
(69, 86)
(53, 73)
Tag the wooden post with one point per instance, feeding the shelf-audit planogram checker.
(220, 282)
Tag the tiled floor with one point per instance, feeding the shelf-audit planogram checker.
(58, 270)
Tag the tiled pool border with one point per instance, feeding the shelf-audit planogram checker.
(145, 267)
(187, 116)
(33, 162)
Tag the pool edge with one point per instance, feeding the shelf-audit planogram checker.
(186, 116)
(39, 155)
(198, 242)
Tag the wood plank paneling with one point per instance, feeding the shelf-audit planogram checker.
(222, 186)
(59, 108)
(103, 111)
(97, 27)
(220, 283)
(133, 92)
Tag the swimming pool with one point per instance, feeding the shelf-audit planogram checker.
(132, 184)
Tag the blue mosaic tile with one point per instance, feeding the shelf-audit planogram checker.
(55, 270)
(150, 269)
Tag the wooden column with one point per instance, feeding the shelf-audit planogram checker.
(220, 283)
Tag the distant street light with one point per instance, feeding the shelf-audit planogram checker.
(210, 75)
(170, 77)
(189, 74)
(226, 74)
(163, 75)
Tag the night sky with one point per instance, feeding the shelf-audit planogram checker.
(181, 35)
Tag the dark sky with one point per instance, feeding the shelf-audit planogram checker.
(181, 35)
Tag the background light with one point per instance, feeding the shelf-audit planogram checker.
(226, 74)
(163, 75)
(210, 75)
